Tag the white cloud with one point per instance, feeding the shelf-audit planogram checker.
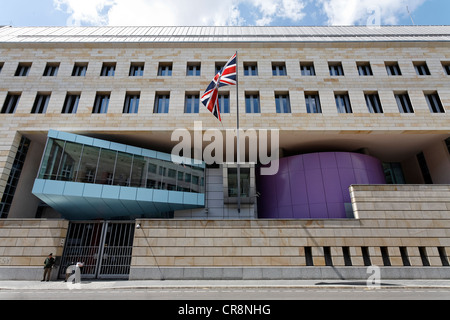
(179, 12)
(351, 12)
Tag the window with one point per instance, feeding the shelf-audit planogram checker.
(279, 69)
(347, 256)
(131, 103)
(191, 104)
(373, 103)
(393, 69)
(11, 103)
(244, 182)
(364, 69)
(327, 256)
(421, 68)
(307, 69)
(250, 69)
(366, 256)
(446, 66)
(51, 70)
(219, 66)
(404, 103)
(101, 103)
(312, 102)
(41, 103)
(23, 69)
(193, 69)
(404, 255)
(79, 69)
(434, 103)
(343, 103)
(424, 168)
(162, 101)
(1, 66)
(393, 173)
(443, 256)
(336, 69)
(252, 103)
(165, 69)
(308, 257)
(136, 69)
(71, 103)
(424, 256)
(282, 103)
(224, 102)
(385, 256)
(108, 70)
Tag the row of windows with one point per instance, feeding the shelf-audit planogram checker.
(252, 102)
(250, 69)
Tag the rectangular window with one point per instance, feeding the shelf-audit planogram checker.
(108, 69)
(307, 69)
(23, 69)
(282, 103)
(308, 257)
(219, 66)
(279, 69)
(385, 256)
(41, 103)
(71, 103)
(79, 69)
(343, 103)
(404, 103)
(366, 256)
(193, 69)
(312, 102)
(192, 102)
(252, 103)
(224, 102)
(327, 256)
(165, 69)
(364, 69)
(244, 182)
(1, 66)
(131, 103)
(162, 103)
(404, 255)
(434, 103)
(421, 68)
(51, 70)
(443, 256)
(347, 256)
(11, 103)
(373, 103)
(250, 69)
(424, 168)
(393, 69)
(336, 69)
(136, 69)
(446, 66)
(101, 103)
(424, 256)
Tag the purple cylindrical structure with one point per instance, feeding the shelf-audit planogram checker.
(315, 186)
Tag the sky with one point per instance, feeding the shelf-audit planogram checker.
(223, 12)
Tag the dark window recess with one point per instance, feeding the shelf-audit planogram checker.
(347, 256)
(424, 168)
(424, 256)
(443, 257)
(366, 256)
(309, 257)
(447, 142)
(327, 256)
(385, 256)
(405, 258)
(14, 176)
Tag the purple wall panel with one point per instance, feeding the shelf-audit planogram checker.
(315, 186)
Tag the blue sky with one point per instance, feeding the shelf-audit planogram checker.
(224, 12)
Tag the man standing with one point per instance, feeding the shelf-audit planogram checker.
(48, 265)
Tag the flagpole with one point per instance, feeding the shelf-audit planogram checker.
(238, 138)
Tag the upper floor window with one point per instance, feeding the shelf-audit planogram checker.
(279, 69)
(364, 69)
(219, 66)
(165, 69)
(79, 69)
(51, 70)
(336, 69)
(101, 103)
(23, 69)
(404, 103)
(193, 69)
(224, 102)
(131, 104)
(307, 69)
(108, 69)
(282, 103)
(11, 103)
(313, 102)
(192, 102)
(393, 69)
(252, 103)
(250, 69)
(71, 103)
(162, 101)
(343, 103)
(421, 68)
(373, 102)
(434, 103)
(136, 69)
(41, 103)
(446, 66)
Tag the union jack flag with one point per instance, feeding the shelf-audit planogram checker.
(226, 77)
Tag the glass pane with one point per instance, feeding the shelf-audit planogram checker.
(138, 173)
(88, 165)
(70, 161)
(122, 173)
(105, 171)
(232, 182)
(52, 159)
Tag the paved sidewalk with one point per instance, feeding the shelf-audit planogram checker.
(206, 284)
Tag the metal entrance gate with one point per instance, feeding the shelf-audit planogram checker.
(105, 248)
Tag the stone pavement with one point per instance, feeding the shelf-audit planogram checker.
(217, 284)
